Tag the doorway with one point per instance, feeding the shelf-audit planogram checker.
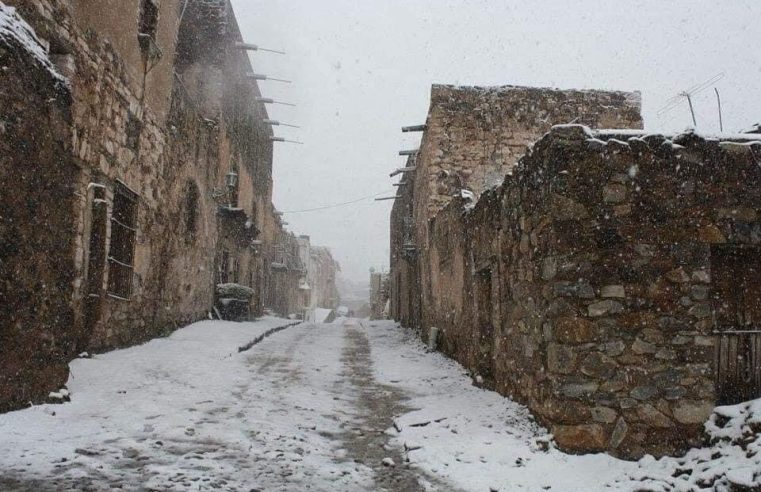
(736, 278)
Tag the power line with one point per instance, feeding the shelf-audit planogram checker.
(336, 205)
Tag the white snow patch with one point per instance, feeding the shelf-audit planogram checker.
(14, 29)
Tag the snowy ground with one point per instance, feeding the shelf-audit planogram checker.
(340, 407)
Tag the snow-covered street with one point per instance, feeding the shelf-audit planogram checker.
(353, 405)
(314, 407)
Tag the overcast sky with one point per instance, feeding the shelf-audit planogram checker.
(363, 68)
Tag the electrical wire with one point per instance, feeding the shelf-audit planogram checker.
(336, 205)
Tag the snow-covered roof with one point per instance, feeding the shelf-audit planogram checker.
(14, 30)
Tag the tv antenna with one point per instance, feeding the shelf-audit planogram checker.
(674, 101)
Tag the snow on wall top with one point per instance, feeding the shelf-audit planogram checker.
(14, 30)
(633, 98)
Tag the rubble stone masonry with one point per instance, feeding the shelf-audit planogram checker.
(591, 285)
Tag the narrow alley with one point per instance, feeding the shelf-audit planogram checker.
(353, 405)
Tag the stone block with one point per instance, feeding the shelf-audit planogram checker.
(643, 392)
(603, 308)
(619, 433)
(711, 234)
(560, 359)
(692, 411)
(580, 438)
(649, 415)
(604, 415)
(674, 393)
(614, 193)
(578, 390)
(598, 365)
(678, 276)
(642, 347)
(699, 292)
(576, 330)
(614, 348)
(701, 276)
(564, 208)
(613, 291)
(549, 268)
(701, 310)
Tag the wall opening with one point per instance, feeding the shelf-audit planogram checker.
(736, 285)
(191, 212)
(484, 316)
(96, 260)
(121, 253)
(149, 19)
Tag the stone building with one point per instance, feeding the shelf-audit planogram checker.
(473, 137)
(135, 176)
(321, 277)
(610, 281)
(302, 277)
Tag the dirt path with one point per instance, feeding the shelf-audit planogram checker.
(376, 406)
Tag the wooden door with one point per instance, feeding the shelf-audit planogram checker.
(736, 273)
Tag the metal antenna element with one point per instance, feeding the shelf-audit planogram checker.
(388, 198)
(718, 100)
(281, 139)
(267, 100)
(254, 47)
(278, 123)
(259, 76)
(674, 101)
(408, 152)
(692, 110)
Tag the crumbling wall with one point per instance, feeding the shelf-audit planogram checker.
(607, 303)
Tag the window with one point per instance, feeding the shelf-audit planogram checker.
(146, 29)
(191, 212)
(223, 262)
(149, 19)
(121, 253)
(235, 269)
(134, 127)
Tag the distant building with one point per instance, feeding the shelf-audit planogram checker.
(379, 290)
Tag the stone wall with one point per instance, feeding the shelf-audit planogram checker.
(586, 286)
(169, 129)
(36, 247)
(403, 276)
(473, 137)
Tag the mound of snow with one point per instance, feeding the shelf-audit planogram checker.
(730, 462)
